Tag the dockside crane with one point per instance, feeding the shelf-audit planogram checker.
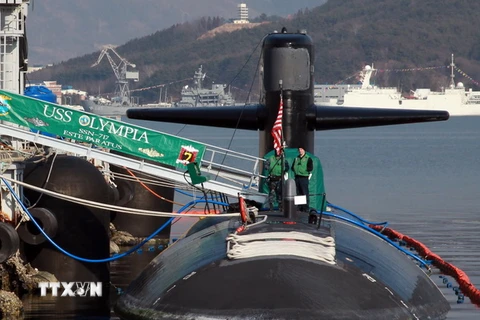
(122, 90)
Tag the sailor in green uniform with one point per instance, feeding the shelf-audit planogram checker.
(302, 168)
(273, 166)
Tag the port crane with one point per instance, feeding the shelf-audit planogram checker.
(122, 91)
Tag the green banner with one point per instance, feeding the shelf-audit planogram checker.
(99, 131)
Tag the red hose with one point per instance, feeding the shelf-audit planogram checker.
(461, 277)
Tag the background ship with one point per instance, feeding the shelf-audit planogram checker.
(455, 99)
(195, 95)
(115, 107)
(198, 96)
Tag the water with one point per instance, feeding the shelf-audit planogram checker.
(422, 178)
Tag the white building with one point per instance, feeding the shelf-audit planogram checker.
(242, 13)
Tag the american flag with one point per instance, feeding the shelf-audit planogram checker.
(277, 129)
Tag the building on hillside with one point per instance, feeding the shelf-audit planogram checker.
(71, 91)
(34, 68)
(242, 14)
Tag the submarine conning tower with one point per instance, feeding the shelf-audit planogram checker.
(287, 68)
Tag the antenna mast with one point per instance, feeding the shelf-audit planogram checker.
(452, 76)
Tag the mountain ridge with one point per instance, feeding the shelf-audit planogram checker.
(62, 29)
(348, 34)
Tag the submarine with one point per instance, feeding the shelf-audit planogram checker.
(284, 264)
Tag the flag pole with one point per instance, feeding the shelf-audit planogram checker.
(282, 153)
(277, 135)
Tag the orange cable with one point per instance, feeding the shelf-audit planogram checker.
(163, 198)
(150, 190)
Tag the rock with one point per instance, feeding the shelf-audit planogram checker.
(19, 276)
(11, 306)
(16, 279)
(151, 241)
(114, 248)
(123, 238)
(120, 238)
(111, 230)
(44, 276)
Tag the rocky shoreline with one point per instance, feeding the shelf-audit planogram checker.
(18, 278)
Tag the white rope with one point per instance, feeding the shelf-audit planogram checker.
(46, 181)
(105, 206)
(159, 182)
(291, 243)
(153, 180)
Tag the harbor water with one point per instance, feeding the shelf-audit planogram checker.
(423, 179)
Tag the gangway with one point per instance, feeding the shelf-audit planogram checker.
(243, 181)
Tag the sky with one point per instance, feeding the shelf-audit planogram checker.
(58, 30)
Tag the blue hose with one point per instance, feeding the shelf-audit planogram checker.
(188, 194)
(408, 253)
(113, 258)
(356, 216)
(136, 247)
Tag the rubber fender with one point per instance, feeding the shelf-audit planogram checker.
(9, 241)
(126, 192)
(114, 193)
(30, 234)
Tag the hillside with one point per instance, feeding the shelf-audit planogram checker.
(409, 41)
(227, 28)
(62, 29)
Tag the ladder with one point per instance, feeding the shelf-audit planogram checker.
(224, 179)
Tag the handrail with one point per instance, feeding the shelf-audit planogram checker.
(176, 174)
(252, 163)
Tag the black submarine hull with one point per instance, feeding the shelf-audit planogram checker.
(198, 278)
(369, 279)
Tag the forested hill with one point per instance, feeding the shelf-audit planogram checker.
(394, 35)
(62, 29)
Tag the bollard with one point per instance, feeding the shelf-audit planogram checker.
(289, 193)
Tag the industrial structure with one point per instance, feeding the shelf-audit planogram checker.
(13, 45)
(122, 91)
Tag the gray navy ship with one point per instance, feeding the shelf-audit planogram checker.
(199, 96)
(116, 107)
(195, 95)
